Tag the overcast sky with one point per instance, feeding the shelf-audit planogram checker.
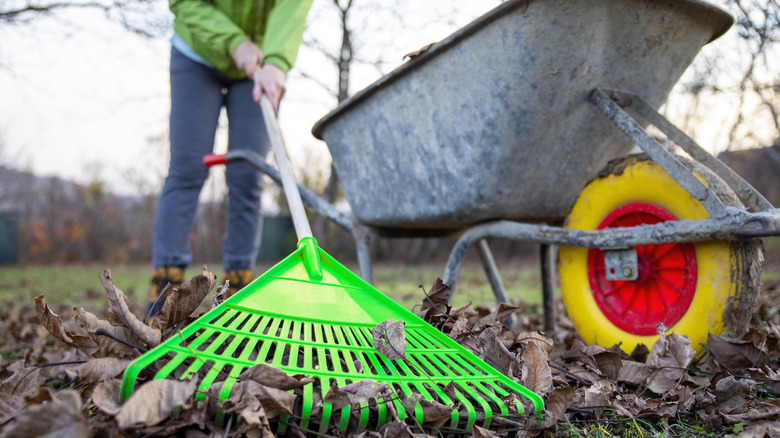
(81, 98)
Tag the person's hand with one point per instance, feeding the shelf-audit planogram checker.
(269, 81)
(247, 57)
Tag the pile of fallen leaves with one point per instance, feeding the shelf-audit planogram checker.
(62, 375)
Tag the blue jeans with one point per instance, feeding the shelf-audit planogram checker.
(198, 93)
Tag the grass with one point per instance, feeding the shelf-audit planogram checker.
(613, 425)
(79, 284)
(70, 285)
(402, 283)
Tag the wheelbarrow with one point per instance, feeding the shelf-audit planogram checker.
(521, 126)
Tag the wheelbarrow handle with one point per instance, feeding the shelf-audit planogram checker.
(214, 159)
(291, 192)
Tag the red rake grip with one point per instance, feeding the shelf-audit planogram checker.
(213, 159)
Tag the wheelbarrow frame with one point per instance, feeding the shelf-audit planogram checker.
(759, 219)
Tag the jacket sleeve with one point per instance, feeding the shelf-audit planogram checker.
(284, 33)
(212, 27)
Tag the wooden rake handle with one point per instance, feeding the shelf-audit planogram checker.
(301, 222)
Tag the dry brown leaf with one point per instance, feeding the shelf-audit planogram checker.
(356, 392)
(256, 422)
(10, 405)
(771, 378)
(60, 417)
(97, 370)
(105, 396)
(687, 398)
(560, 400)
(597, 357)
(732, 394)
(496, 317)
(51, 321)
(250, 409)
(389, 339)
(577, 352)
(467, 312)
(555, 407)
(183, 300)
(736, 355)
(668, 358)
(53, 324)
(250, 393)
(609, 363)
(460, 329)
(481, 432)
(760, 429)
(153, 402)
(494, 352)
(418, 52)
(639, 353)
(435, 414)
(536, 337)
(364, 434)
(765, 410)
(41, 395)
(623, 405)
(656, 408)
(436, 302)
(395, 429)
(274, 377)
(106, 346)
(634, 373)
(537, 375)
(598, 396)
(21, 380)
(119, 313)
(221, 295)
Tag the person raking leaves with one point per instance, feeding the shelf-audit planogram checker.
(225, 53)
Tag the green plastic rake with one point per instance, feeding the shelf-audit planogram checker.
(309, 314)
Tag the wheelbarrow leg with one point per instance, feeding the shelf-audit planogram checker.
(363, 238)
(547, 258)
(364, 261)
(491, 271)
(488, 264)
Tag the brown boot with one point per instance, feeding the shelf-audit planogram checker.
(160, 279)
(238, 278)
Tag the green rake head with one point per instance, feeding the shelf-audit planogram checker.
(311, 315)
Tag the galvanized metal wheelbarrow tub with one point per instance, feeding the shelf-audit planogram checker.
(496, 130)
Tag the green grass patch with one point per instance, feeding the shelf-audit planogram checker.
(70, 285)
(79, 285)
(402, 283)
(12, 355)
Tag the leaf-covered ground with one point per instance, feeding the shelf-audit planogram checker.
(61, 370)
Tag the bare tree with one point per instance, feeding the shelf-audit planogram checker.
(141, 17)
(343, 61)
(747, 71)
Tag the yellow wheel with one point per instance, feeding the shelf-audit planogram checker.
(686, 286)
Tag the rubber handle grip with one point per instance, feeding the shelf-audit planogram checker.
(213, 159)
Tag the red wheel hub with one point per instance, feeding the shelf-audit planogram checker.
(667, 277)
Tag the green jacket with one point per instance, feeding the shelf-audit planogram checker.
(213, 29)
